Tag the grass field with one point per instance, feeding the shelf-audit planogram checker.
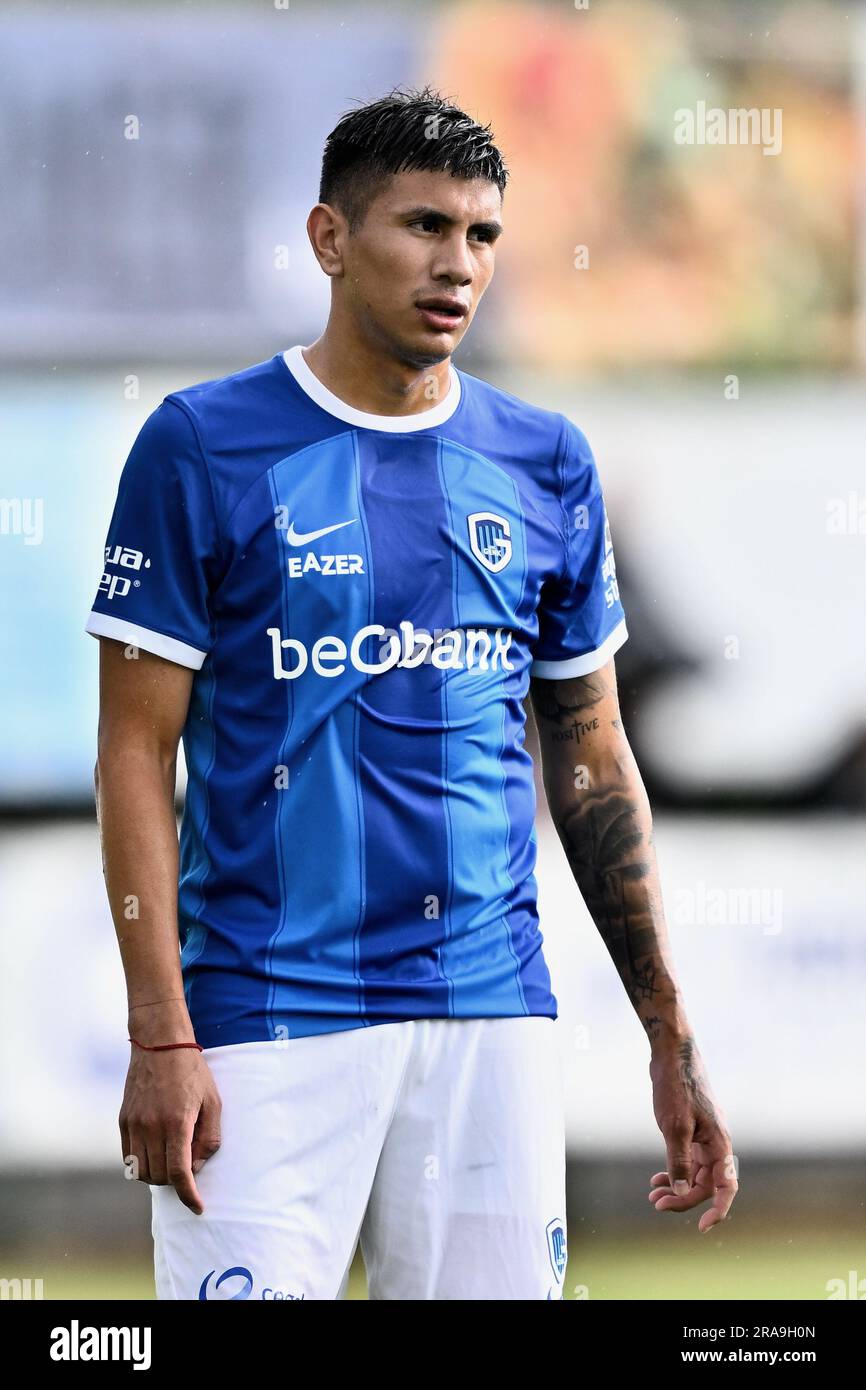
(678, 1265)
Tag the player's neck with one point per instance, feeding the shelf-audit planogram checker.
(374, 381)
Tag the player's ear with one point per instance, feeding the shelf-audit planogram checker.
(326, 229)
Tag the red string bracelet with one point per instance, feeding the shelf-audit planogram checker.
(165, 1047)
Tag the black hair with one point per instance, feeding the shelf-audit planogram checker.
(405, 130)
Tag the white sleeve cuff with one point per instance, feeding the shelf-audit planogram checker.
(101, 625)
(581, 665)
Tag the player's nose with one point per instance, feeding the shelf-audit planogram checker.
(454, 262)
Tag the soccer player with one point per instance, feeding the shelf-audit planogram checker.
(336, 575)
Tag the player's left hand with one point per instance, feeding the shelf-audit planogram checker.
(701, 1164)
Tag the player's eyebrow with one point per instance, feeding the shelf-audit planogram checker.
(491, 226)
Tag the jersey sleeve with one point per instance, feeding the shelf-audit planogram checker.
(581, 622)
(162, 548)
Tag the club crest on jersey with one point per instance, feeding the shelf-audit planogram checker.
(490, 539)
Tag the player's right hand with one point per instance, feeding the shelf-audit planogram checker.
(170, 1120)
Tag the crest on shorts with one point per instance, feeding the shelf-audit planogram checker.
(490, 539)
(237, 1273)
(557, 1247)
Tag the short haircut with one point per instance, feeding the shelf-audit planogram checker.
(405, 130)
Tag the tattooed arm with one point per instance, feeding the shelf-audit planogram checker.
(601, 812)
(603, 818)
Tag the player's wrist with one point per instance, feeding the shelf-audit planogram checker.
(667, 1034)
(160, 1021)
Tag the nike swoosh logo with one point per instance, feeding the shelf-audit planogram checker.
(303, 538)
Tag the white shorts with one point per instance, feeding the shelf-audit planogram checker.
(439, 1143)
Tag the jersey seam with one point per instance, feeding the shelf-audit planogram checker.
(360, 821)
(181, 405)
(575, 656)
(508, 860)
(562, 457)
(279, 856)
(202, 834)
(447, 978)
(359, 424)
(156, 631)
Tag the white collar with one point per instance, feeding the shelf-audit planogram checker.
(396, 424)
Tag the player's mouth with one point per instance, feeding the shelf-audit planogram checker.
(442, 313)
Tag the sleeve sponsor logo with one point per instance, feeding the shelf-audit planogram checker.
(121, 557)
(608, 569)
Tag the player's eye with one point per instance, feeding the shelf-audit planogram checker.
(432, 224)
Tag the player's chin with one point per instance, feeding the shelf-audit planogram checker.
(439, 341)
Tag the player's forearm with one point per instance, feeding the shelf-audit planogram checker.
(138, 831)
(607, 832)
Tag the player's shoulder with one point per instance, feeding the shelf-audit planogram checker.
(234, 392)
(508, 408)
(193, 423)
(546, 434)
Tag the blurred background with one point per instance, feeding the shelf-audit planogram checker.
(686, 285)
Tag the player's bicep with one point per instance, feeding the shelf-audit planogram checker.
(143, 701)
(579, 726)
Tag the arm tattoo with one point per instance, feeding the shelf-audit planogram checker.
(547, 698)
(692, 1077)
(606, 849)
(607, 833)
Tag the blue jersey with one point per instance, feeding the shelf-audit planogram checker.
(363, 600)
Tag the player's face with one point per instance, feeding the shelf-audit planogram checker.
(426, 237)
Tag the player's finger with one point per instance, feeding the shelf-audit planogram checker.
(717, 1212)
(178, 1163)
(723, 1197)
(136, 1155)
(207, 1135)
(660, 1183)
(155, 1141)
(658, 1179)
(658, 1193)
(678, 1142)
(126, 1152)
(669, 1201)
(673, 1201)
